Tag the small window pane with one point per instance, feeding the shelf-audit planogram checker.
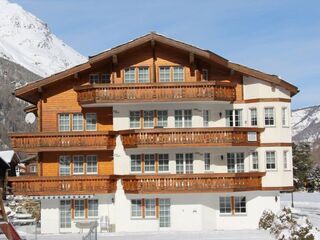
(136, 208)
(64, 165)
(207, 161)
(64, 122)
(65, 213)
(205, 74)
(178, 118)
(94, 78)
(286, 160)
(238, 117)
(105, 78)
(284, 117)
(143, 74)
(147, 119)
(269, 116)
(271, 160)
(77, 122)
(255, 161)
(134, 119)
(240, 204)
(78, 164)
(164, 74)
(179, 163)
(79, 208)
(229, 118)
(129, 75)
(163, 162)
(189, 162)
(231, 162)
(92, 164)
(205, 116)
(91, 121)
(150, 207)
(162, 118)
(136, 163)
(178, 74)
(187, 118)
(253, 117)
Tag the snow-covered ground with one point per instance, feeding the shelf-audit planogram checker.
(305, 204)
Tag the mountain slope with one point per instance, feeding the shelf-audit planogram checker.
(26, 40)
(306, 124)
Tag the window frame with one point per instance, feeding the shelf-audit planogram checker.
(238, 200)
(253, 120)
(182, 122)
(75, 122)
(143, 74)
(225, 204)
(167, 74)
(62, 167)
(148, 119)
(163, 160)
(255, 161)
(96, 80)
(136, 205)
(164, 118)
(269, 118)
(93, 210)
(150, 160)
(75, 159)
(286, 164)
(207, 161)
(82, 211)
(205, 74)
(275, 161)
(284, 117)
(94, 157)
(65, 121)
(205, 118)
(135, 168)
(175, 74)
(90, 123)
(150, 208)
(134, 124)
(231, 119)
(132, 74)
(237, 156)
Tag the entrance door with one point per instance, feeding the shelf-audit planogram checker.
(164, 214)
(65, 215)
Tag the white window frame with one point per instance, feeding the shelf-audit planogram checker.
(132, 116)
(238, 201)
(89, 166)
(236, 118)
(148, 165)
(78, 210)
(150, 208)
(64, 167)
(178, 74)
(253, 117)
(164, 74)
(134, 167)
(148, 121)
(255, 161)
(135, 208)
(286, 164)
(65, 209)
(64, 123)
(284, 117)
(207, 161)
(143, 74)
(225, 205)
(128, 74)
(77, 160)
(205, 118)
(162, 116)
(91, 122)
(93, 213)
(183, 122)
(269, 118)
(77, 123)
(33, 169)
(163, 157)
(275, 161)
(185, 164)
(236, 158)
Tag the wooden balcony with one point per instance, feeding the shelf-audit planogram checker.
(62, 185)
(62, 141)
(191, 137)
(156, 92)
(180, 183)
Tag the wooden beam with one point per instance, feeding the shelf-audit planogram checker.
(114, 59)
(191, 58)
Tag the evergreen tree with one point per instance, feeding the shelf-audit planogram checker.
(302, 163)
(314, 178)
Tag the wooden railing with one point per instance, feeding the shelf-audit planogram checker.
(186, 137)
(62, 185)
(158, 92)
(66, 141)
(179, 183)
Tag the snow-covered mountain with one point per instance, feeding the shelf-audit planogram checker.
(306, 124)
(27, 41)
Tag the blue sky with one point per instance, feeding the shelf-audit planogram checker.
(279, 37)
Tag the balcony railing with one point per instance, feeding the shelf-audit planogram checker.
(157, 92)
(61, 185)
(186, 137)
(175, 183)
(66, 141)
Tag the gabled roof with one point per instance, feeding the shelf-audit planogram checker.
(25, 91)
(8, 156)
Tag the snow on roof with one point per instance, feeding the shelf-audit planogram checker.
(7, 156)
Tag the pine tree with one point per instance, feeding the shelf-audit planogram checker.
(302, 163)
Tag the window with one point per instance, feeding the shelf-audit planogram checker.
(225, 204)
(179, 163)
(149, 163)
(147, 119)
(150, 207)
(271, 160)
(183, 118)
(129, 75)
(240, 204)
(93, 208)
(136, 163)
(134, 119)
(79, 208)
(143, 75)
(91, 122)
(184, 163)
(205, 116)
(253, 117)
(162, 118)
(164, 213)
(284, 117)
(163, 162)
(65, 213)
(77, 122)
(286, 160)
(105, 78)
(164, 74)
(178, 74)
(64, 122)
(234, 118)
(205, 74)
(78, 167)
(235, 162)
(255, 161)
(207, 161)
(94, 78)
(136, 208)
(269, 116)
(64, 165)
(33, 169)
(92, 164)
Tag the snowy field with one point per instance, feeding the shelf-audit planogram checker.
(305, 204)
